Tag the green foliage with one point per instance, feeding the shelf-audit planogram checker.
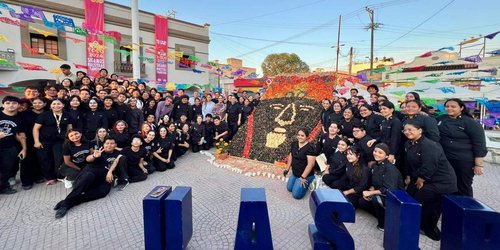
(283, 63)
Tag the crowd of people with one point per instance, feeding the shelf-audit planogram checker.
(372, 148)
(93, 134)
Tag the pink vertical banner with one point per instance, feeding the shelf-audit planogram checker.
(161, 46)
(94, 23)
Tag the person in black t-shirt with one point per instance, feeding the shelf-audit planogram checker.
(148, 143)
(221, 130)
(198, 134)
(245, 111)
(209, 132)
(93, 119)
(48, 133)
(232, 115)
(137, 168)
(163, 151)
(11, 131)
(94, 182)
(182, 141)
(74, 154)
(301, 160)
(121, 135)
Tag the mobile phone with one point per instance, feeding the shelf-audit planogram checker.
(158, 192)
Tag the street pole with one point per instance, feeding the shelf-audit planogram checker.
(372, 27)
(350, 61)
(338, 46)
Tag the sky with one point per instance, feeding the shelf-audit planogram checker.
(251, 30)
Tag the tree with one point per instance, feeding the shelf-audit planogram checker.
(276, 64)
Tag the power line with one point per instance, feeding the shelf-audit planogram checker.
(420, 24)
(268, 40)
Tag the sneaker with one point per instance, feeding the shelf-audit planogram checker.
(380, 228)
(61, 212)
(115, 182)
(8, 190)
(122, 185)
(27, 187)
(67, 183)
(12, 181)
(40, 181)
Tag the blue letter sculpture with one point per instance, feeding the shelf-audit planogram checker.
(179, 218)
(154, 223)
(469, 224)
(329, 209)
(254, 229)
(402, 221)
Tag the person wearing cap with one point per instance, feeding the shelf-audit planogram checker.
(464, 143)
(65, 73)
(385, 176)
(12, 131)
(429, 176)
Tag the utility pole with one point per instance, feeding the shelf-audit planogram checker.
(372, 27)
(136, 63)
(350, 61)
(338, 46)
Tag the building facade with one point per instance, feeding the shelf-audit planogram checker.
(27, 38)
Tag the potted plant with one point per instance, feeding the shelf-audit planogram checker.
(222, 149)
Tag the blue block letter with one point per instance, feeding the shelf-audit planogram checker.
(154, 226)
(179, 218)
(402, 221)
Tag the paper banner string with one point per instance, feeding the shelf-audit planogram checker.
(43, 32)
(150, 51)
(206, 66)
(123, 52)
(470, 105)
(198, 71)
(11, 22)
(130, 47)
(29, 66)
(421, 90)
(194, 58)
(55, 71)
(429, 101)
(475, 59)
(19, 89)
(410, 79)
(492, 35)
(31, 51)
(6, 63)
(493, 107)
(80, 66)
(252, 75)
(443, 62)
(398, 63)
(494, 52)
(417, 68)
(447, 90)
(379, 70)
(434, 75)
(52, 56)
(398, 93)
(238, 72)
(212, 64)
(487, 79)
(147, 59)
(396, 72)
(80, 31)
(456, 73)
(481, 101)
(426, 54)
(489, 122)
(75, 40)
(432, 81)
(446, 48)
(490, 70)
(472, 40)
(140, 45)
(4, 39)
(405, 84)
(108, 39)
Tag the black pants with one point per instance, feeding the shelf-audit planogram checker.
(233, 128)
(50, 157)
(69, 172)
(134, 172)
(431, 207)
(354, 199)
(7, 161)
(209, 143)
(196, 148)
(180, 151)
(30, 168)
(89, 185)
(334, 181)
(464, 170)
(162, 166)
(374, 207)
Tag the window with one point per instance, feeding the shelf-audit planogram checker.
(124, 58)
(184, 63)
(44, 44)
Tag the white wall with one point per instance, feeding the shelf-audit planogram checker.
(76, 52)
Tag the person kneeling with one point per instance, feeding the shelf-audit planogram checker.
(94, 181)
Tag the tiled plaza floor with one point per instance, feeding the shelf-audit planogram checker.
(115, 222)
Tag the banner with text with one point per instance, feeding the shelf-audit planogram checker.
(94, 23)
(161, 47)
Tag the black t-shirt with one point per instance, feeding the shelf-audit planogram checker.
(133, 158)
(96, 144)
(221, 128)
(122, 139)
(299, 157)
(10, 125)
(29, 117)
(164, 143)
(77, 153)
(50, 132)
(148, 146)
(233, 111)
(106, 159)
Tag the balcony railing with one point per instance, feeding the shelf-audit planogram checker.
(121, 67)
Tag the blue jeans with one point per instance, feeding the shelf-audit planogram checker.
(294, 186)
